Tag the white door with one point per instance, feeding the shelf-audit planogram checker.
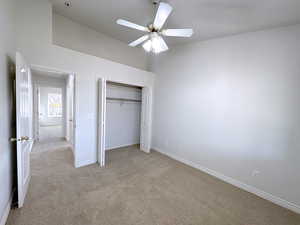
(145, 138)
(101, 122)
(24, 113)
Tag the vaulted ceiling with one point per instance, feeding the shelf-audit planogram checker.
(208, 18)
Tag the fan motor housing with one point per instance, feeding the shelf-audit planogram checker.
(151, 28)
(155, 2)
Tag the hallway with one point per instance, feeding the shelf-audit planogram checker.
(50, 132)
(136, 188)
(52, 145)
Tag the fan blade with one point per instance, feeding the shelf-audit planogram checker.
(132, 25)
(162, 14)
(139, 41)
(159, 45)
(178, 32)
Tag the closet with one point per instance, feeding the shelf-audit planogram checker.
(123, 115)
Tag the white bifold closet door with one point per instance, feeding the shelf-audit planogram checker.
(101, 122)
(145, 138)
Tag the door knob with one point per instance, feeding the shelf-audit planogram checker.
(23, 138)
(14, 139)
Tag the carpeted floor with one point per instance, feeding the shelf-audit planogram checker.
(137, 189)
(49, 132)
(52, 145)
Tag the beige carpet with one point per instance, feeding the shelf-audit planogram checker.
(50, 132)
(137, 189)
(53, 145)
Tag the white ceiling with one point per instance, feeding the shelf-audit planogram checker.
(208, 18)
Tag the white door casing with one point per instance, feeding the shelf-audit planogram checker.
(36, 110)
(74, 102)
(101, 121)
(146, 120)
(24, 115)
(67, 110)
(72, 113)
(70, 97)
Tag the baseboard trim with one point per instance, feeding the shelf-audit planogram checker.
(6, 212)
(85, 163)
(276, 200)
(121, 146)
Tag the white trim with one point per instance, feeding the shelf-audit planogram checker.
(101, 121)
(85, 163)
(121, 146)
(6, 212)
(278, 201)
(144, 136)
(63, 74)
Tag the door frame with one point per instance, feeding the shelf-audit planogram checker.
(75, 110)
(146, 118)
(36, 111)
(101, 118)
(70, 105)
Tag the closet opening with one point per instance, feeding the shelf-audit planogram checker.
(123, 120)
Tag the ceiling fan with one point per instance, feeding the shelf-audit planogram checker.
(153, 41)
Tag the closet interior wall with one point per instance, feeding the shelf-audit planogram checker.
(123, 115)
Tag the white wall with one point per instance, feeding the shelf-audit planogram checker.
(88, 69)
(7, 57)
(232, 105)
(122, 118)
(69, 34)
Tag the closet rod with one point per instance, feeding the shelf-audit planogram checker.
(124, 99)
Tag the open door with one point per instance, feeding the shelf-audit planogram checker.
(101, 121)
(24, 113)
(145, 139)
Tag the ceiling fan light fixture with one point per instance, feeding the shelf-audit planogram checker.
(153, 41)
(156, 46)
(153, 45)
(148, 46)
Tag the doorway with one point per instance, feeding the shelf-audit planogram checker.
(45, 110)
(124, 117)
(53, 106)
(50, 114)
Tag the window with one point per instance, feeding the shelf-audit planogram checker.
(54, 105)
